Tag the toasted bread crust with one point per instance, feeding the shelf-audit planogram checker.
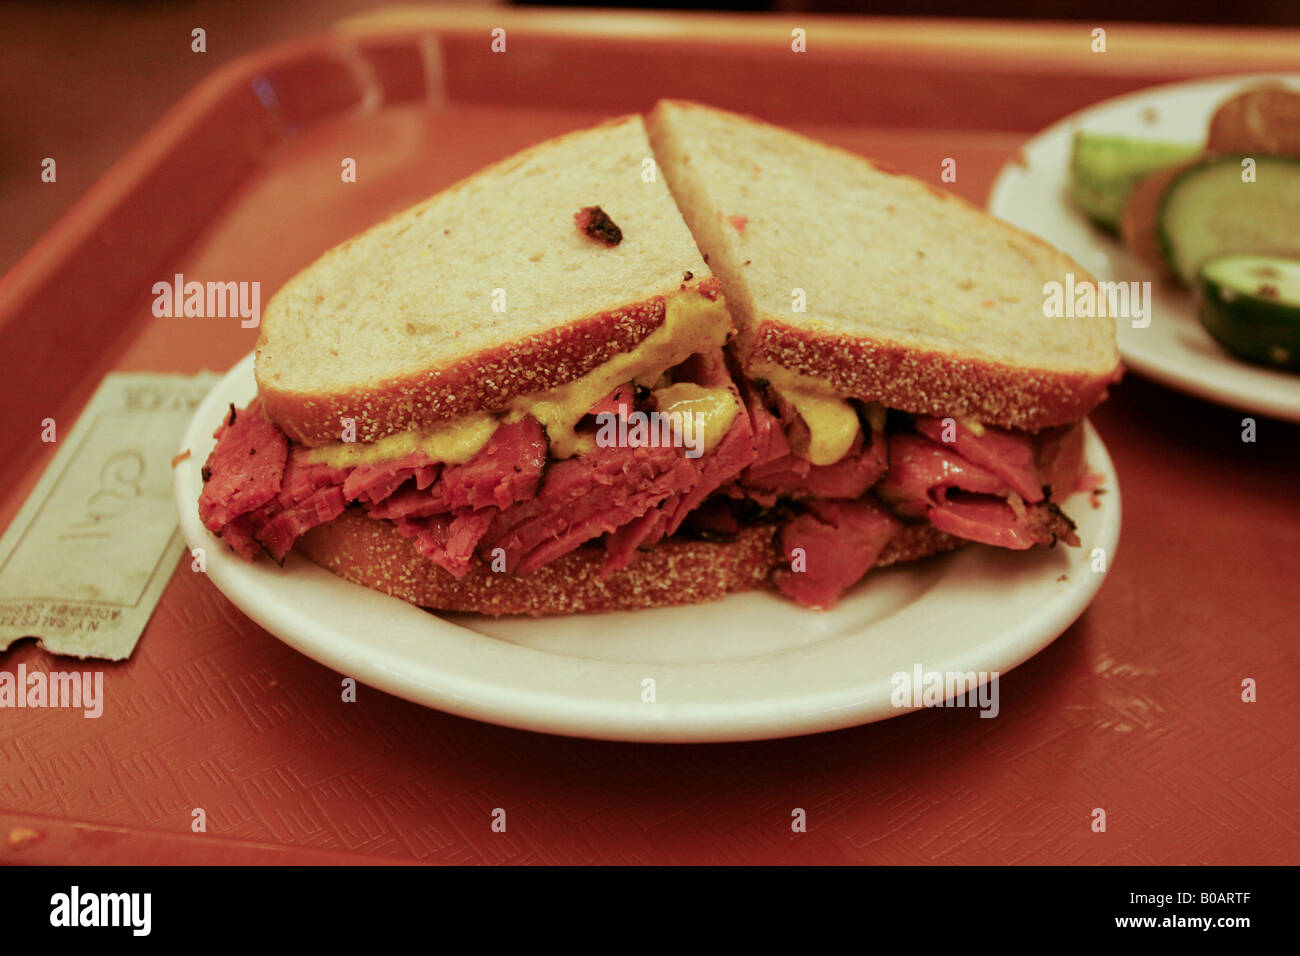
(677, 571)
(480, 383)
(930, 383)
(917, 541)
(483, 382)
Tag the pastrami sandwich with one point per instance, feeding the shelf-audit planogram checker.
(540, 392)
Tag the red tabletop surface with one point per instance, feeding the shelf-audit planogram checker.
(1136, 709)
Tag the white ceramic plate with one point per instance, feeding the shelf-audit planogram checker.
(749, 667)
(1174, 349)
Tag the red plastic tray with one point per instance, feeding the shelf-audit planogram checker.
(1136, 709)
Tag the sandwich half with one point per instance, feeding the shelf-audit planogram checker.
(540, 392)
(893, 351)
(429, 395)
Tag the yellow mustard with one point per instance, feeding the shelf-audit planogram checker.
(455, 442)
(711, 410)
(692, 323)
(831, 420)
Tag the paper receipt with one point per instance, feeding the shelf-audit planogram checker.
(85, 561)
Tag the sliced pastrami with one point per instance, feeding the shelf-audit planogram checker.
(582, 498)
(1060, 460)
(310, 494)
(794, 477)
(238, 536)
(720, 465)
(375, 482)
(723, 464)
(770, 442)
(507, 469)
(830, 546)
(672, 481)
(245, 469)
(449, 541)
(411, 501)
(712, 521)
(1009, 455)
(279, 533)
(777, 472)
(732, 455)
(930, 480)
(641, 533)
(1004, 523)
(921, 471)
(303, 477)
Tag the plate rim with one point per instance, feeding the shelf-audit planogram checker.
(523, 708)
(1156, 364)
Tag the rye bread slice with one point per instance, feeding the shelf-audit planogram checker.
(401, 327)
(676, 571)
(913, 296)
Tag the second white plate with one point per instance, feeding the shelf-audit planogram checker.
(1174, 349)
(749, 667)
